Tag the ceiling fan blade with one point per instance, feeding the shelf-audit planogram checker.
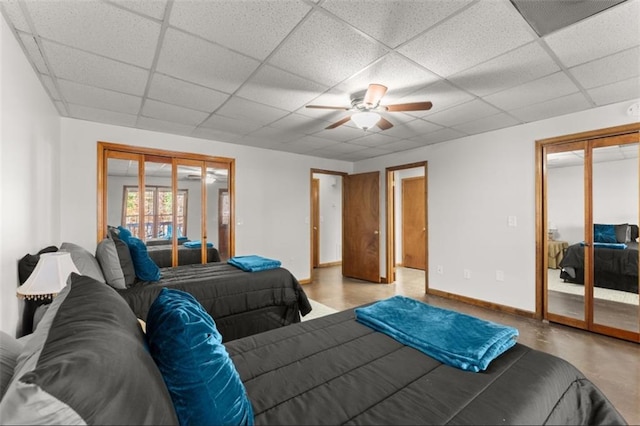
(374, 93)
(384, 124)
(328, 107)
(338, 123)
(413, 106)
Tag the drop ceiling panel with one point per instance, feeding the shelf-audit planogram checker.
(173, 113)
(267, 86)
(404, 145)
(514, 68)
(254, 28)
(552, 108)
(494, 122)
(102, 116)
(273, 134)
(598, 36)
(81, 94)
(490, 29)
(374, 140)
(231, 125)
(93, 70)
(97, 27)
(310, 143)
(47, 82)
(397, 73)
(192, 59)
(183, 93)
(299, 124)
(326, 51)
(616, 92)
(34, 52)
(249, 111)
(464, 113)
(442, 94)
(534, 92)
(164, 126)
(15, 16)
(438, 136)
(393, 22)
(342, 133)
(617, 67)
(154, 9)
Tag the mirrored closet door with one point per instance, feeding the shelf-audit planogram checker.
(179, 204)
(590, 198)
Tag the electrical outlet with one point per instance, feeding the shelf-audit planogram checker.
(440, 269)
(499, 275)
(467, 274)
(513, 221)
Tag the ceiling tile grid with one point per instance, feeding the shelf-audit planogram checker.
(243, 71)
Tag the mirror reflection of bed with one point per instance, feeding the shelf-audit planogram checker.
(614, 195)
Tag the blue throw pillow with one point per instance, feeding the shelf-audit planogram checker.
(145, 267)
(124, 234)
(604, 233)
(203, 382)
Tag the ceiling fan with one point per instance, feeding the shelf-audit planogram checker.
(367, 109)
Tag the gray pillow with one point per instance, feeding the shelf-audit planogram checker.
(87, 363)
(10, 348)
(107, 256)
(623, 232)
(86, 263)
(124, 255)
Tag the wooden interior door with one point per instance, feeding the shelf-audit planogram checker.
(361, 227)
(223, 223)
(315, 235)
(413, 223)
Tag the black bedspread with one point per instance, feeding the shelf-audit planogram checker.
(613, 268)
(241, 303)
(161, 255)
(333, 370)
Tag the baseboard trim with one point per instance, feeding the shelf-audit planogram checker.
(305, 281)
(329, 264)
(482, 303)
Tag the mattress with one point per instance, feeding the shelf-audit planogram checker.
(334, 370)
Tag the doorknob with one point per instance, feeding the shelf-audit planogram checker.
(376, 232)
(315, 228)
(424, 229)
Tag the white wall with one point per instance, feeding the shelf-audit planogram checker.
(29, 172)
(615, 197)
(272, 189)
(330, 217)
(474, 184)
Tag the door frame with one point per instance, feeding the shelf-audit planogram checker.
(390, 221)
(541, 224)
(311, 246)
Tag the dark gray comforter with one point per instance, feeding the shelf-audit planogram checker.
(334, 370)
(241, 303)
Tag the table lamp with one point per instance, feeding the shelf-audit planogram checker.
(49, 276)
(552, 228)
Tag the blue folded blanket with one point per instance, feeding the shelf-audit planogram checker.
(196, 244)
(617, 246)
(455, 339)
(253, 263)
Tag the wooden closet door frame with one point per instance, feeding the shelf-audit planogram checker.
(592, 139)
(106, 150)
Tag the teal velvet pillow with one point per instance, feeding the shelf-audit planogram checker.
(603, 233)
(145, 267)
(187, 348)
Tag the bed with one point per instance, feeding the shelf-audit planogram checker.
(615, 263)
(161, 254)
(334, 370)
(241, 303)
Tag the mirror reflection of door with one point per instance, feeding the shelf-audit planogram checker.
(413, 223)
(219, 208)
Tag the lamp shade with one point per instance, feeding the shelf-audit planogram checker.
(365, 120)
(49, 276)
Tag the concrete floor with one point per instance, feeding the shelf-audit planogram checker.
(612, 364)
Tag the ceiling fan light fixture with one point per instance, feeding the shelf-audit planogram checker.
(365, 120)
